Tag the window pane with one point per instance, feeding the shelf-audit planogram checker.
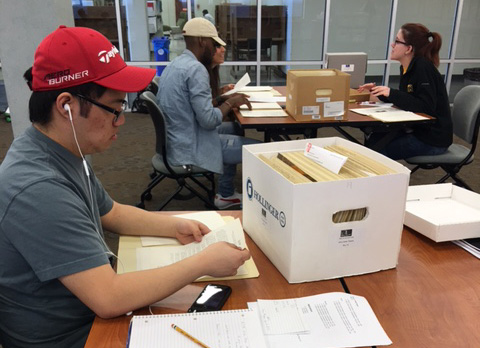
(467, 46)
(304, 30)
(436, 15)
(375, 73)
(360, 26)
(101, 16)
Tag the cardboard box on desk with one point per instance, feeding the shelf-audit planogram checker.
(443, 212)
(356, 96)
(318, 94)
(292, 223)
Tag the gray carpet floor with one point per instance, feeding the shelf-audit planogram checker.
(125, 167)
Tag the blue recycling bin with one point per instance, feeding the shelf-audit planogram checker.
(161, 52)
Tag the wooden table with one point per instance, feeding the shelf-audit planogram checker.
(270, 284)
(432, 298)
(279, 128)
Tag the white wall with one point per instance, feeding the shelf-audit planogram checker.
(20, 34)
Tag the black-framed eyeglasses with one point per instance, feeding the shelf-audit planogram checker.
(401, 42)
(104, 107)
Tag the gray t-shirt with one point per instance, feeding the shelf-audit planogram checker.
(49, 227)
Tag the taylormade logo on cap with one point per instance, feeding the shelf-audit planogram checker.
(105, 56)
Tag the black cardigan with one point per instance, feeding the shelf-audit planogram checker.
(422, 90)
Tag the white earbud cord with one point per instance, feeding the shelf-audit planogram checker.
(87, 172)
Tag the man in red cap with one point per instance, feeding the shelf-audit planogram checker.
(55, 272)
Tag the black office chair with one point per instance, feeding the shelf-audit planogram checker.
(466, 122)
(184, 175)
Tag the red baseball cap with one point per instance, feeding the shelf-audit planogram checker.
(73, 56)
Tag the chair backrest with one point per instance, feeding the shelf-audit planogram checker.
(159, 123)
(465, 113)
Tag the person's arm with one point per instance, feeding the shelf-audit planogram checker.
(366, 87)
(234, 101)
(109, 294)
(227, 88)
(424, 90)
(129, 220)
(200, 98)
(423, 98)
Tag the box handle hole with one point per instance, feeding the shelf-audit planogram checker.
(349, 215)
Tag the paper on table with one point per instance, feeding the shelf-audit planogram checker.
(389, 114)
(212, 219)
(245, 80)
(267, 99)
(261, 95)
(261, 106)
(160, 256)
(255, 88)
(281, 317)
(218, 329)
(263, 113)
(334, 319)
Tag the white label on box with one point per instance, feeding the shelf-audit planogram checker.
(348, 67)
(316, 117)
(311, 110)
(322, 100)
(346, 237)
(333, 109)
(327, 159)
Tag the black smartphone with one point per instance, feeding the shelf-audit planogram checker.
(212, 298)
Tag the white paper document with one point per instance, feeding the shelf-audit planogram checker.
(245, 80)
(263, 113)
(327, 159)
(389, 114)
(160, 256)
(265, 98)
(212, 219)
(261, 106)
(329, 320)
(255, 89)
(219, 329)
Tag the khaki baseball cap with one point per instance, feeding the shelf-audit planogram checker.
(200, 27)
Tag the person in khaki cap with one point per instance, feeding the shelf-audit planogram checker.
(194, 133)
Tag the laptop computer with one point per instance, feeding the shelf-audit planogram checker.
(354, 63)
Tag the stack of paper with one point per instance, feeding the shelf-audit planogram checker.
(320, 321)
(389, 114)
(471, 245)
(263, 110)
(160, 252)
(160, 256)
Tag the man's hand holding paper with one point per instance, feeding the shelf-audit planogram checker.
(188, 231)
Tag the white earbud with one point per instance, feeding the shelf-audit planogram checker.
(67, 108)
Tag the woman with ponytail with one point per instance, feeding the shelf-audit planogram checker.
(421, 90)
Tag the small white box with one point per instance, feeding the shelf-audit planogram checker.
(292, 223)
(154, 24)
(443, 212)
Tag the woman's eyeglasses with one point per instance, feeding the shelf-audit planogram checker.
(401, 42)
(104, 107)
